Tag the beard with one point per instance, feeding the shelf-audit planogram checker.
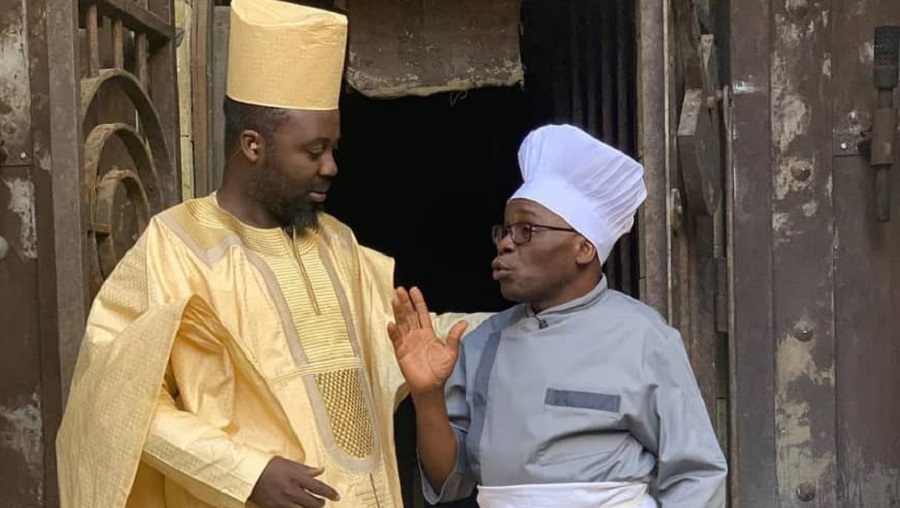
(270, 187)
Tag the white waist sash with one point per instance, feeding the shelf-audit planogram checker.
(567, 495)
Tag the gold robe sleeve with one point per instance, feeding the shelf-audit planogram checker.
(122, 407)
(196, 453)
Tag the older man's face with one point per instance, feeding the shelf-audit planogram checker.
(536, 271)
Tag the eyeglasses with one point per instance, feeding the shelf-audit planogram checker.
(521, 232)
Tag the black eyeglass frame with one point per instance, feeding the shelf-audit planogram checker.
(521, 232)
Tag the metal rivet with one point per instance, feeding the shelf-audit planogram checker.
(23, 155)
(806, 492)
(801, 173)
(803, 334)
(4, 247)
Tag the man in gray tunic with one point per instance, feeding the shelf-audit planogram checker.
(579, 396)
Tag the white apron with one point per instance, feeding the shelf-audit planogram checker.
(567, 495)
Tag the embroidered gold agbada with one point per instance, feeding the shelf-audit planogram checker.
(214, 346)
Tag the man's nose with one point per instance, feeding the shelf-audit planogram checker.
(329, 166)
(505, 245)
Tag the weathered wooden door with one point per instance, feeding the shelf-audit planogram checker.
(816, 265)
(88, 152)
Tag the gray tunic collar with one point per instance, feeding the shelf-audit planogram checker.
(555, 314)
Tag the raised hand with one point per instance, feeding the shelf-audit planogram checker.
(426, 362)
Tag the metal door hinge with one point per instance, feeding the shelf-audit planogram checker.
(721, 295)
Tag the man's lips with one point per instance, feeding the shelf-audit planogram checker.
(500, 270)
(318, 196)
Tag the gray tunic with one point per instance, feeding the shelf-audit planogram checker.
(598, 389)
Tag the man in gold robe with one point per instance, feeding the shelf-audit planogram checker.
(238, 355)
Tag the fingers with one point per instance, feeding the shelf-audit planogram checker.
(310, 491)
(305, 499)
(312, 471)
(421, 309)
(404, 312)
(400, 310)
(455, 334)
(319, 488)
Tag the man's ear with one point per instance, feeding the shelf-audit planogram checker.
(251, 145)
(586, 252)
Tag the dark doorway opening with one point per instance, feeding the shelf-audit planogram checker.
(423, 178)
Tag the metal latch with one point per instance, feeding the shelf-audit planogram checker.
(883, 137)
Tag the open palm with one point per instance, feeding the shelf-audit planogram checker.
(425, 361)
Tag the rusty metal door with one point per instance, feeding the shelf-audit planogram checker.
(682, 234)
(24, 186)
(866, 252)
(29, 383)
(816, 265)
(88, 152)
(120, 61)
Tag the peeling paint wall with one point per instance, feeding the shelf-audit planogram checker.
(21, 430)
(25, 177)
(815, 274)
(21, 203)
(15, 92)
(804, 308)
(422, 47)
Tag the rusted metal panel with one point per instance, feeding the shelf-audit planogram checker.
(866, 273)
(51, 402)
(153, 18)
(69, 209)
(699, 152)
(221, 24)
(753, 465)
(21, 422)
(803, 240)
(115, 64)
(653, 224)
(15, 95)
(421, 47)
(117, 145)
(163, 89)
(201, 85)
(23, 435)
(695, 180)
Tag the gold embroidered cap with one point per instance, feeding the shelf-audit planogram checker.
(284, 55)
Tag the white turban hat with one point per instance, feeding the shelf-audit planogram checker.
(594, 187)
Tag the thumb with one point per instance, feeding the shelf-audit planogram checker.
(455, 334)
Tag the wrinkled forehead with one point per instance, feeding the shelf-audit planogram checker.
(526, 210)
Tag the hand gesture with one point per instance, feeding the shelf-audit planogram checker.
(425, 361)
(288, 484)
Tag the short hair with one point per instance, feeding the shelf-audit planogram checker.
(240, 116)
